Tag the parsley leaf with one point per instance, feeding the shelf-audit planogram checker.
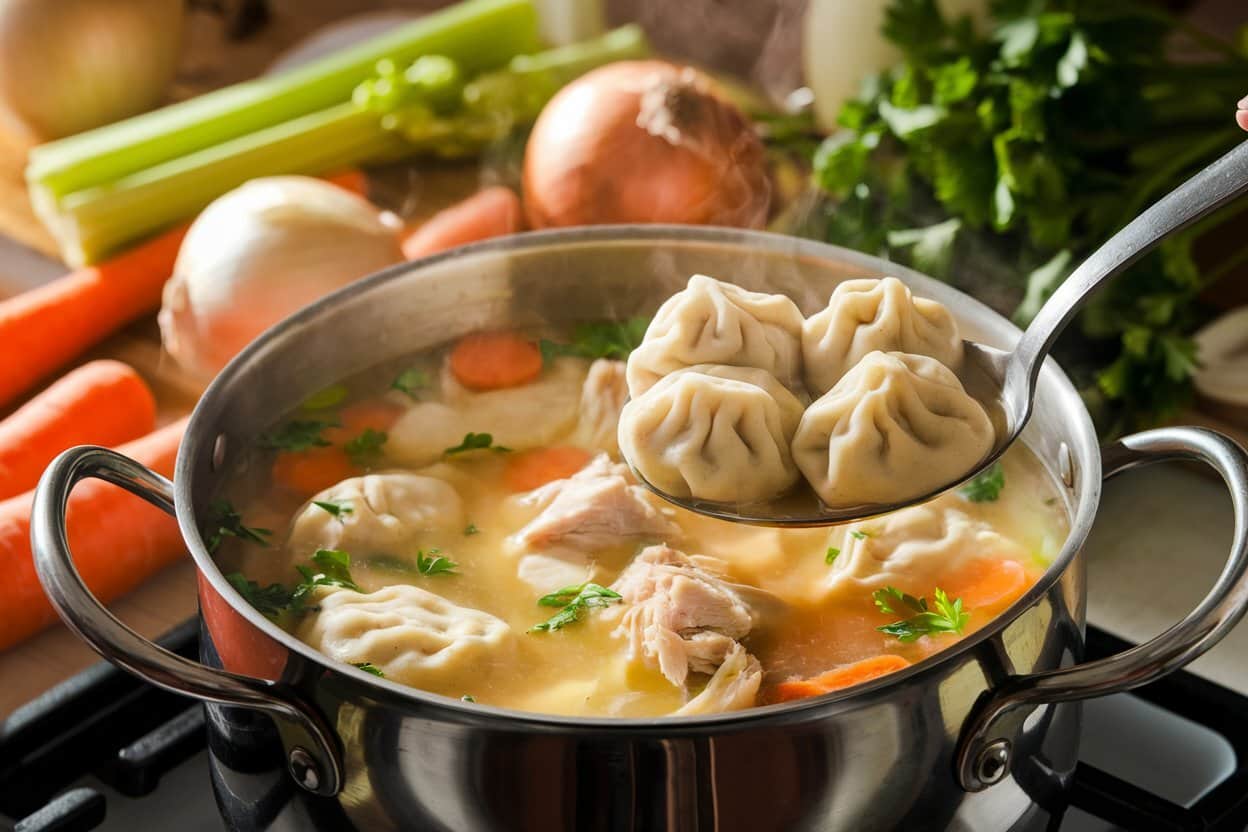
(600, 339)
(365, 449)
(467, 697)
(574, 601)
(334, 571)
(858, 535)
(434, 563)
(410, 381)
(471, 529)
(327, 398)
(336, 509)
(270, 600)
(229, 523)
(986, 486)
(297, 435)
(948, 617)
(831, 556)
(476, 442)
(369, 667)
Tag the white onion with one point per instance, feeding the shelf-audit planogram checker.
(259, 253)
(70, 65)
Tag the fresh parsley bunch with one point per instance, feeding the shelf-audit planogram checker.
(999, 159)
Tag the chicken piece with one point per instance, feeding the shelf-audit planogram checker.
(595, 508)
(733, 687)
(680, 614)
(602, 398)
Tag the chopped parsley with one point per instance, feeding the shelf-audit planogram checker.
(600, 339)
(832, 555)
(947, 617)
(329, 397)
(365, 449)
(574, 600)
(270, 600)
(476, 442)
(297, 435)
(336, 509)
(858, 535)
(986, 486)
(229, 523)
(467, 698)
(334, 571)
(471, 529)
(410, 380)
(369, 667)
(434, 563)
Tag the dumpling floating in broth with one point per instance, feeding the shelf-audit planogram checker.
(714, 433)
(712, 322)
(894, 427)
(867, 315)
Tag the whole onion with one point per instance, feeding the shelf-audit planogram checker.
(70, 65)
(641, 142)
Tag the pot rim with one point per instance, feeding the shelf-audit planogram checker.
(1085, 449)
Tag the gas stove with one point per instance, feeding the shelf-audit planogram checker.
(103, 751)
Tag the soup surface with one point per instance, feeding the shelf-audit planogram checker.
(488, 544)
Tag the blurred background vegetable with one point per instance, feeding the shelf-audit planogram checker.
(71, 65)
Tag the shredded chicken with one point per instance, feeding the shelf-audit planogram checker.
(680, 615)
(595, 508)
(602, 398)
(733, 687)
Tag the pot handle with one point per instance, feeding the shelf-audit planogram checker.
(312, 751)
(984, 750)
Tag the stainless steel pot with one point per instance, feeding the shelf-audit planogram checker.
(981, 736)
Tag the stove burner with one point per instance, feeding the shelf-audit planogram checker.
(126, 735)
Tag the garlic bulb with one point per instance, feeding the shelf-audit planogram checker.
(259, 253)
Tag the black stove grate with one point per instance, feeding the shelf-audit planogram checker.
(128, 734)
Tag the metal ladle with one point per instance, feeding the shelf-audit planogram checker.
(1004, 381)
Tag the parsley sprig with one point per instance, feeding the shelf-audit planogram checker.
(599, 339)
(435, 563)
(297, 435)
(334, 569)
(369, 667)
(411, 381)
(986, 486)
(476, 442)
(365, 449)
(270, 600)
(336, 509)
(227, 522)
(574, 601)
(947, 617)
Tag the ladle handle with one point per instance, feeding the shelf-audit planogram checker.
(1205, 192)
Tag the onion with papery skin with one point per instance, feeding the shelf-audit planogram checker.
(70, 65)
(259, 253)
(643, 142)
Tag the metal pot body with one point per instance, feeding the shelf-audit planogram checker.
(981, 736)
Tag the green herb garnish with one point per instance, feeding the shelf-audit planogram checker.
(832, 555)
(601, 339)
(270, 600)
(948, 616)
(476, 442)
(334, 570)
(858, 535)
(297, 435)
(410, 381)
(229, 523)
(434, 563)
(336, 509)
(986, 486)
(329, 397)
(467, 698)
(471, 529)
(369, 667)
(574, 600)
(365, 449)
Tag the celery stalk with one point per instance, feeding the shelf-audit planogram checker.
(477, 34)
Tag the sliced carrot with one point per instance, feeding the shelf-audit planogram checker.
(532, 469)
(315, 469)
(988, 584)
(100, 403)
(492, 212)
(357, 418)
(117, 539)
(351, 179)
(493, 360)
(839, 678)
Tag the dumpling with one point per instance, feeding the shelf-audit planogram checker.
(895, 427)
(535, 414)
(866, 315)
(602, 399)
(413, 636)
(914, 549)
(712, 322)
(379, 513)
(714, 433)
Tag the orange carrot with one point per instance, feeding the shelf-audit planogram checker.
(117, 539)
(48, 326)
(361, 416)
(492, 212)
(839, 678)
(533, 469)
(988, 584)
(100, 403)
(493, 360)
(315, 469)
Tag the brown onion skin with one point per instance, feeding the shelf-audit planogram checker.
(588, 162)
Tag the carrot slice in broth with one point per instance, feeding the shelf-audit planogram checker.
(839, 678)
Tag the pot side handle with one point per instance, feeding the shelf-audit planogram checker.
(983, 754)
(312, 752)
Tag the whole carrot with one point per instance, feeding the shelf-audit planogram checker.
(100, 403)
(492, 212)
(117, 539)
